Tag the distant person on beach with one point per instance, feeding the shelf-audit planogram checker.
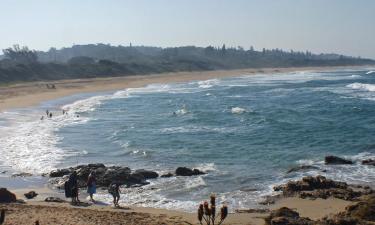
(47, 112)
(114, 190)
(50, 115)
(91, 185)
(71, 188)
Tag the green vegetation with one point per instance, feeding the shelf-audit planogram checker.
(100, 60)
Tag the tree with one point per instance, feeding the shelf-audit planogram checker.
(20, 55)
(223, 49)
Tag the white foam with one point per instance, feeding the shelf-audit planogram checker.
(238, 110)
(30, 145)
(182, 111)
(206, 167)
(360, 86)
(208, 83)
(370, 72)
(195, 182)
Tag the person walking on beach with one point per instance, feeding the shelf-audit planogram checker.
(91, 185)
(73, 187)
(114, 190)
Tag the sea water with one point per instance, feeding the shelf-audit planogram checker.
(244, 132)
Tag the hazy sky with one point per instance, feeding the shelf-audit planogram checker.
(341, 26)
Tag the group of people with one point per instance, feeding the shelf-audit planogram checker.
(72, 188)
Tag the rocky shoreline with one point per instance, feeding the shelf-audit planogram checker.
(105, 175)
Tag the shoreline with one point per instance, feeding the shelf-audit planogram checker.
(25, 94)
(32, 94)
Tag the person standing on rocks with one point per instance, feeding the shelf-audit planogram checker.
(91, 185)
(73, 185)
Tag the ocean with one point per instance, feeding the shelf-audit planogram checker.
(244, 132)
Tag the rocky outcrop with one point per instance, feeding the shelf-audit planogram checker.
(104, 175)
(184, 171)
(360, 213)
(321, 187)
(370, 162)
(167, 175)
(7, 196)
(286, 216)
(30, 194)
(147, 174)
(334, 160)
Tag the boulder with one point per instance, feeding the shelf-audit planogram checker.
(147, 174)
(7, 196)
(370, 162)
(308, 184)
(30, 194)
(167, 175)
(334, 160)
(321, 187)
(184, 171)
(286, 216)
(59, 173)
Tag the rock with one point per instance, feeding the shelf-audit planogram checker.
(370, 162)
(286, 216)
(30, 194)
(184, 171)
(360, 213)
(147, 174)
(54, 199)
(321, 187)
(7, 196)
(308, 184)
(364, 210)
(22, 175)
(167, 175)
(59, 173)
(303, 167)
(334, 160)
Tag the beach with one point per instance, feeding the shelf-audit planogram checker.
(32, 93)
(23, 95)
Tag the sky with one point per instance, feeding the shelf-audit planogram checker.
(340, 26)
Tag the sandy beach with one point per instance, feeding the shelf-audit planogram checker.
(31, 94)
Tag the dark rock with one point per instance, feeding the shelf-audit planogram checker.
(7, 196)
(321, 187)
(147, 174)
(31, 194)
(22, 175)
(334, 160)
(59, 172)
(286, 216)
(308, 184)
(167, 175)
(184, 171)
(360, 213)
(370, 162)
(301, 168)
(54, 199)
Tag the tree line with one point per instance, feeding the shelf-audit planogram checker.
(101, 60)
